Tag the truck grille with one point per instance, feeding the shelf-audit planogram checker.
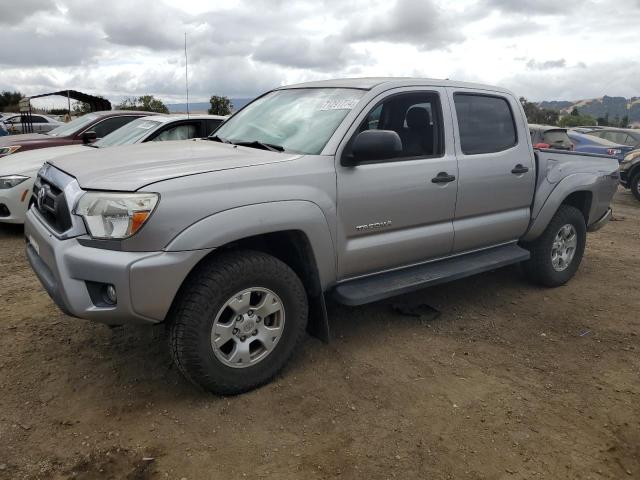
(50, 201)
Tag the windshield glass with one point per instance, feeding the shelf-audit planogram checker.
(299, 120)
(132, 132)
(73, 126)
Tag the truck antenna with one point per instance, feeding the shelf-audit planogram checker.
(186, 70)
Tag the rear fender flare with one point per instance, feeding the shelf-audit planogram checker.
(585, 182)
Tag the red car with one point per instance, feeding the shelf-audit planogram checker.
(84, 129)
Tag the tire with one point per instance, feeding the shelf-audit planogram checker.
(216, 290)
(634, 186)
(540, 267)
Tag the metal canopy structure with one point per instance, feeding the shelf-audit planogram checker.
(95, 103)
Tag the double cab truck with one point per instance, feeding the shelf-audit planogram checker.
(354, 189)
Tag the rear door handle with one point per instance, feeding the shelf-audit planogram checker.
(519, 168)
(443, 177)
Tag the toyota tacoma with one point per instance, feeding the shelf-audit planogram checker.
(354, 189)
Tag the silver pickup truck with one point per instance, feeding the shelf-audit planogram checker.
(357, 189)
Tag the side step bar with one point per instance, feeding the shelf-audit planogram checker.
(397, 282)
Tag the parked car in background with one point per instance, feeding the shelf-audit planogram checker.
(41, 123)
(587, 129)
(547, 136)
(589, 144)
(621, 136)
(3, 129)
(84, 129)
(365, 189)
(18, 172)
(630, 172)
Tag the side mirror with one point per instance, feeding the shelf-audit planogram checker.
(89, 137)
(375, 145)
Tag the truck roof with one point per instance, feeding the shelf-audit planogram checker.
(368, 83)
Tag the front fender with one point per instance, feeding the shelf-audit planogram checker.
(545, 208)
(257, 219)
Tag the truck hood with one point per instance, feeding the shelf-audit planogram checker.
(28, 163)
(131, 167)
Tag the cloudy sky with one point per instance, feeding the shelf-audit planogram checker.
(542, 49)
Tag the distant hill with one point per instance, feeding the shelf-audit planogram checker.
(599, 107)
(203, 107)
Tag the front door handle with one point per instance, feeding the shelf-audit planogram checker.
(519, 169)
(443, 177)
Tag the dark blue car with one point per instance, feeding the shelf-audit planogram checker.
(590, 144)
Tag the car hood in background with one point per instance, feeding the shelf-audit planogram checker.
(28, 163)
(131, 167)
(22, 138)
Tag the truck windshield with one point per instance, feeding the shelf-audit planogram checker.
(73, 126)
(132, 132)
(299, 120)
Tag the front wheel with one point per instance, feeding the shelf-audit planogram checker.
(237, 321)
(634, 185)
(557, 253)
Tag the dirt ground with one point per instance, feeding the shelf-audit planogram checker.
(510, 382)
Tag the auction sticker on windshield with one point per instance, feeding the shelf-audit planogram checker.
(339, 104)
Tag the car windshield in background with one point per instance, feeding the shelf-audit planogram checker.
(298, 120)
(557, 139)
(73, 126)
(132, 132)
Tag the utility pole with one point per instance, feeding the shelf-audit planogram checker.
(186, 70)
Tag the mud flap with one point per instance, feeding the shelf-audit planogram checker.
(318, 325)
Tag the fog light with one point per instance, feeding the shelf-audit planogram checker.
(110, 293)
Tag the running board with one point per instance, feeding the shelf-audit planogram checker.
(397, 282)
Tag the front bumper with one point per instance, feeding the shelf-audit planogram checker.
(146, 282)
(601, 222)
(12, 199)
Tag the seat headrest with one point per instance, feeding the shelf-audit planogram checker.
(418, 117)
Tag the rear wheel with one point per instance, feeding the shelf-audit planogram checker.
(557, 253)
(237, 321)
(634, 185)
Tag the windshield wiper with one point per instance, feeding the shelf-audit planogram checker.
(264, 146)
(216, 138)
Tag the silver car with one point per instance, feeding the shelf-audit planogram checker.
(41, 123)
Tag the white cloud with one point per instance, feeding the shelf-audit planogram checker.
(546, 49)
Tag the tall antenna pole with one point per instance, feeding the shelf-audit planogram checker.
(186, 70)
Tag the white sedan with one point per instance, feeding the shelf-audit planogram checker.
(41, 123)
(18, 171)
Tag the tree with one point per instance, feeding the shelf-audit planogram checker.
(603, 121)
(624, 123)
(574, 112)
(576, 120)
(535, 114)
(145, 103)
(220, 105)
(80, 108)
(9, 101)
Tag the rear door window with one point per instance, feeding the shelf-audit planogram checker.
(557, 139)
(485, 123)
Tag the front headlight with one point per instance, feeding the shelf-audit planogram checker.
(10, 149)
(115, 215)
(629, 157)
(10, 181)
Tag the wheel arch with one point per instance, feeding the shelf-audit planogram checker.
(295, 232)
(576, 190)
